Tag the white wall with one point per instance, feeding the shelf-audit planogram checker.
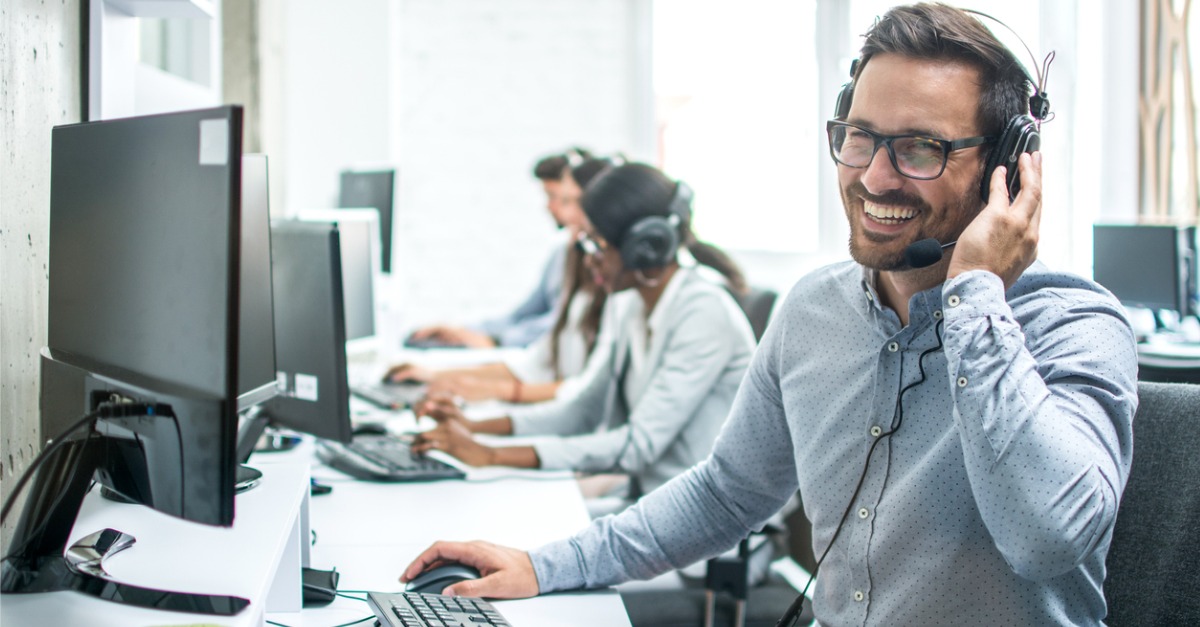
(462, 96)
(39, 88)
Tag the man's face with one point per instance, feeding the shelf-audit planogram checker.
(569, 212)
(553, 199)
(563, 202)
(887, 211)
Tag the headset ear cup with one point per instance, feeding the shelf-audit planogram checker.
(649, 243)
(1020, 135)
(842, 108)
(681, 203)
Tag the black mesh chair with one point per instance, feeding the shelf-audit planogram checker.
(757, 303)
(1154, 561)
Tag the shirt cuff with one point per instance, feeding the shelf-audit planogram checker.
(557, 566)
(552, 454)
(974, 294)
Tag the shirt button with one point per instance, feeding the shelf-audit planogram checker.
(962, 382)
(893, 347)
(937, 314)
(869, 297)
(859, 596)
(876, 431)
(953, 300)
(863, 513)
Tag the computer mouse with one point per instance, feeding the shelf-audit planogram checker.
(370, 428)
(434, 580)
(405, 381)
(430, 342)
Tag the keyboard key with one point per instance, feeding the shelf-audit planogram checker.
(412, 609)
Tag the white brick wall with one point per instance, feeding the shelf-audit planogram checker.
(478, 90)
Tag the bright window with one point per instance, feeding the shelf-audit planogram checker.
(734, 90)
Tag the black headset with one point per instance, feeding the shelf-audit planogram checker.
(1021, 134)
(652, 241)
(575, 157)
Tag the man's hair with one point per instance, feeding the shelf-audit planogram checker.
(941, 32)
(551, 168)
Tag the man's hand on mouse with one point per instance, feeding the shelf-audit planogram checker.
(454, 336)
(505, 573)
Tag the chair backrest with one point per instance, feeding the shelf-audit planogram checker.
(1154, 561)
(757, 303)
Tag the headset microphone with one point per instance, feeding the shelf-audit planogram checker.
(926, 252)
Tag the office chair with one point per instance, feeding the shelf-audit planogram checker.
(757, 303)
(1154, 561)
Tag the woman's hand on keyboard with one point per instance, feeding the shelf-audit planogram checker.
(444, 408)
(455, 439)
(408, 373)
(506, 573)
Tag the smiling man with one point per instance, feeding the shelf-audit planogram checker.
(960, 432)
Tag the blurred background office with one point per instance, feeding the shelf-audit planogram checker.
(460, 97)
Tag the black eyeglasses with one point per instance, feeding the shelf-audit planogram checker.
(914, 156)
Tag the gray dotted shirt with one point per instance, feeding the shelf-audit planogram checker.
(994, 501)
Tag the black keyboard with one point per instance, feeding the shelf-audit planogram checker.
(383, 458)
(390, 395)
(415, 609)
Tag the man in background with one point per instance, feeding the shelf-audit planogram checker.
(535, 316)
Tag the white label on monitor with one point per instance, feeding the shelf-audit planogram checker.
(306, 387)
(281, 381)
(214, 142)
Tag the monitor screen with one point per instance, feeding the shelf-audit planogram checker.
(1143, 265)
(310, 330)
(256, 320)
(143, 298)
(357, 228)
(372, 189)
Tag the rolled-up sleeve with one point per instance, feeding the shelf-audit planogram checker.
(1046, 427)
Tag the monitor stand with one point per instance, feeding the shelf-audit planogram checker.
(256, 422)
(40, 560)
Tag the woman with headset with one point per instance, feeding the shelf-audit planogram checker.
(679, 350)
(558, 358)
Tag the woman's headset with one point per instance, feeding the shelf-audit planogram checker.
(652, 241)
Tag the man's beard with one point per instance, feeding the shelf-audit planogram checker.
(890, 261)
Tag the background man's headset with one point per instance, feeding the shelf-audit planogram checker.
(1021, 134)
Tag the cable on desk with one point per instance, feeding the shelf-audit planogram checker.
(104, 410)
(357, 622)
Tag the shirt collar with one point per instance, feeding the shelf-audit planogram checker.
(669, 296)
(921, 306)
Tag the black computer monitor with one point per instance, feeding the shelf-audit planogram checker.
(1150, 266)
(372, 189)
(144, 274)
(256, 320)
(310, 330)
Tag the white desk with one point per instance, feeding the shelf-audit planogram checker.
(371, 531)
(173, 554)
